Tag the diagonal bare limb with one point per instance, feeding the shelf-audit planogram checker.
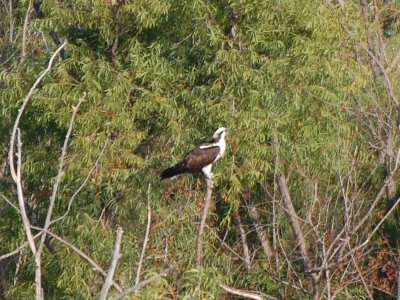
(246, 294)
(16, 173)
(146, 236)
(143, 283)
(38, 254)
(113, 265)
(59, 174)
(79, 252)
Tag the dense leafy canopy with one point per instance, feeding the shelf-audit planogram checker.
(289, 79)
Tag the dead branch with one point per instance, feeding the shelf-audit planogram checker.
(384, 73)
(25, 31)
(25, 102)
(113, 265)
(247, 294)
(199, 238)
(245, 247)
(9, 202)
(262, 235)
(82, 185)
(16, 251)
(370, 39)
(146, 237)
(59, 176)
(144, 283)
(10, 14)
(16, 175)
(295, 225)
(81, 254)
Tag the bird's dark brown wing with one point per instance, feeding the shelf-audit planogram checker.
(198, 158)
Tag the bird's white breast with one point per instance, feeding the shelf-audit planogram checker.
(222, 146)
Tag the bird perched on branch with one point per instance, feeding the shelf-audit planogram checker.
(200, 158)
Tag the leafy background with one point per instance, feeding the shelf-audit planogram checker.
(160, 77)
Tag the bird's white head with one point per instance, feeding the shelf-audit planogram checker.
(220, 133)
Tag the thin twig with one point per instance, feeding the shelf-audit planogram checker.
(384, 73)
(113, 265)
(16, 251)
(146, 237)
(9, 202)
(199, 238)
(394, 63)
(82, 185)
(143, 283)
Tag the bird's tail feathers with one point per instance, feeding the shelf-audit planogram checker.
(172, 172)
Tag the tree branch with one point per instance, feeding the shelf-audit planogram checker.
(81, 254)
(113, 265)
(146, 236)
(262, 235)
(143, 283)
(247, 294)
(82, 185)
(59, 174)
(243, 238)
(199, 238)
(22, 108)
(38, 254)
(16, 175)
(25, 31)
(295, 225)
(384, 73)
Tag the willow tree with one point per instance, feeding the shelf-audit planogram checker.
(295, 84)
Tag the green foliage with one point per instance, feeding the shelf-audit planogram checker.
(161, 76)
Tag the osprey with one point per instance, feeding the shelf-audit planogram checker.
(200, 158)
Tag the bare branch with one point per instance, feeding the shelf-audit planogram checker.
(199, 238)
(59, 174)
(10, 13)
(113, 265)
(262, 235)
(22, 108)
(38, 254)
(245, 247)
(374, 202)
(146, 237)
(16, 251)
(25, 31)
(370, 39)
(9, 202)
(143, 283)
(295, 225)
(384, 73)
(82, 185)
(81, 254)
(16, 175)
(247, 294)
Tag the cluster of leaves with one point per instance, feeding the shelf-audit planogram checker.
(161, 76)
